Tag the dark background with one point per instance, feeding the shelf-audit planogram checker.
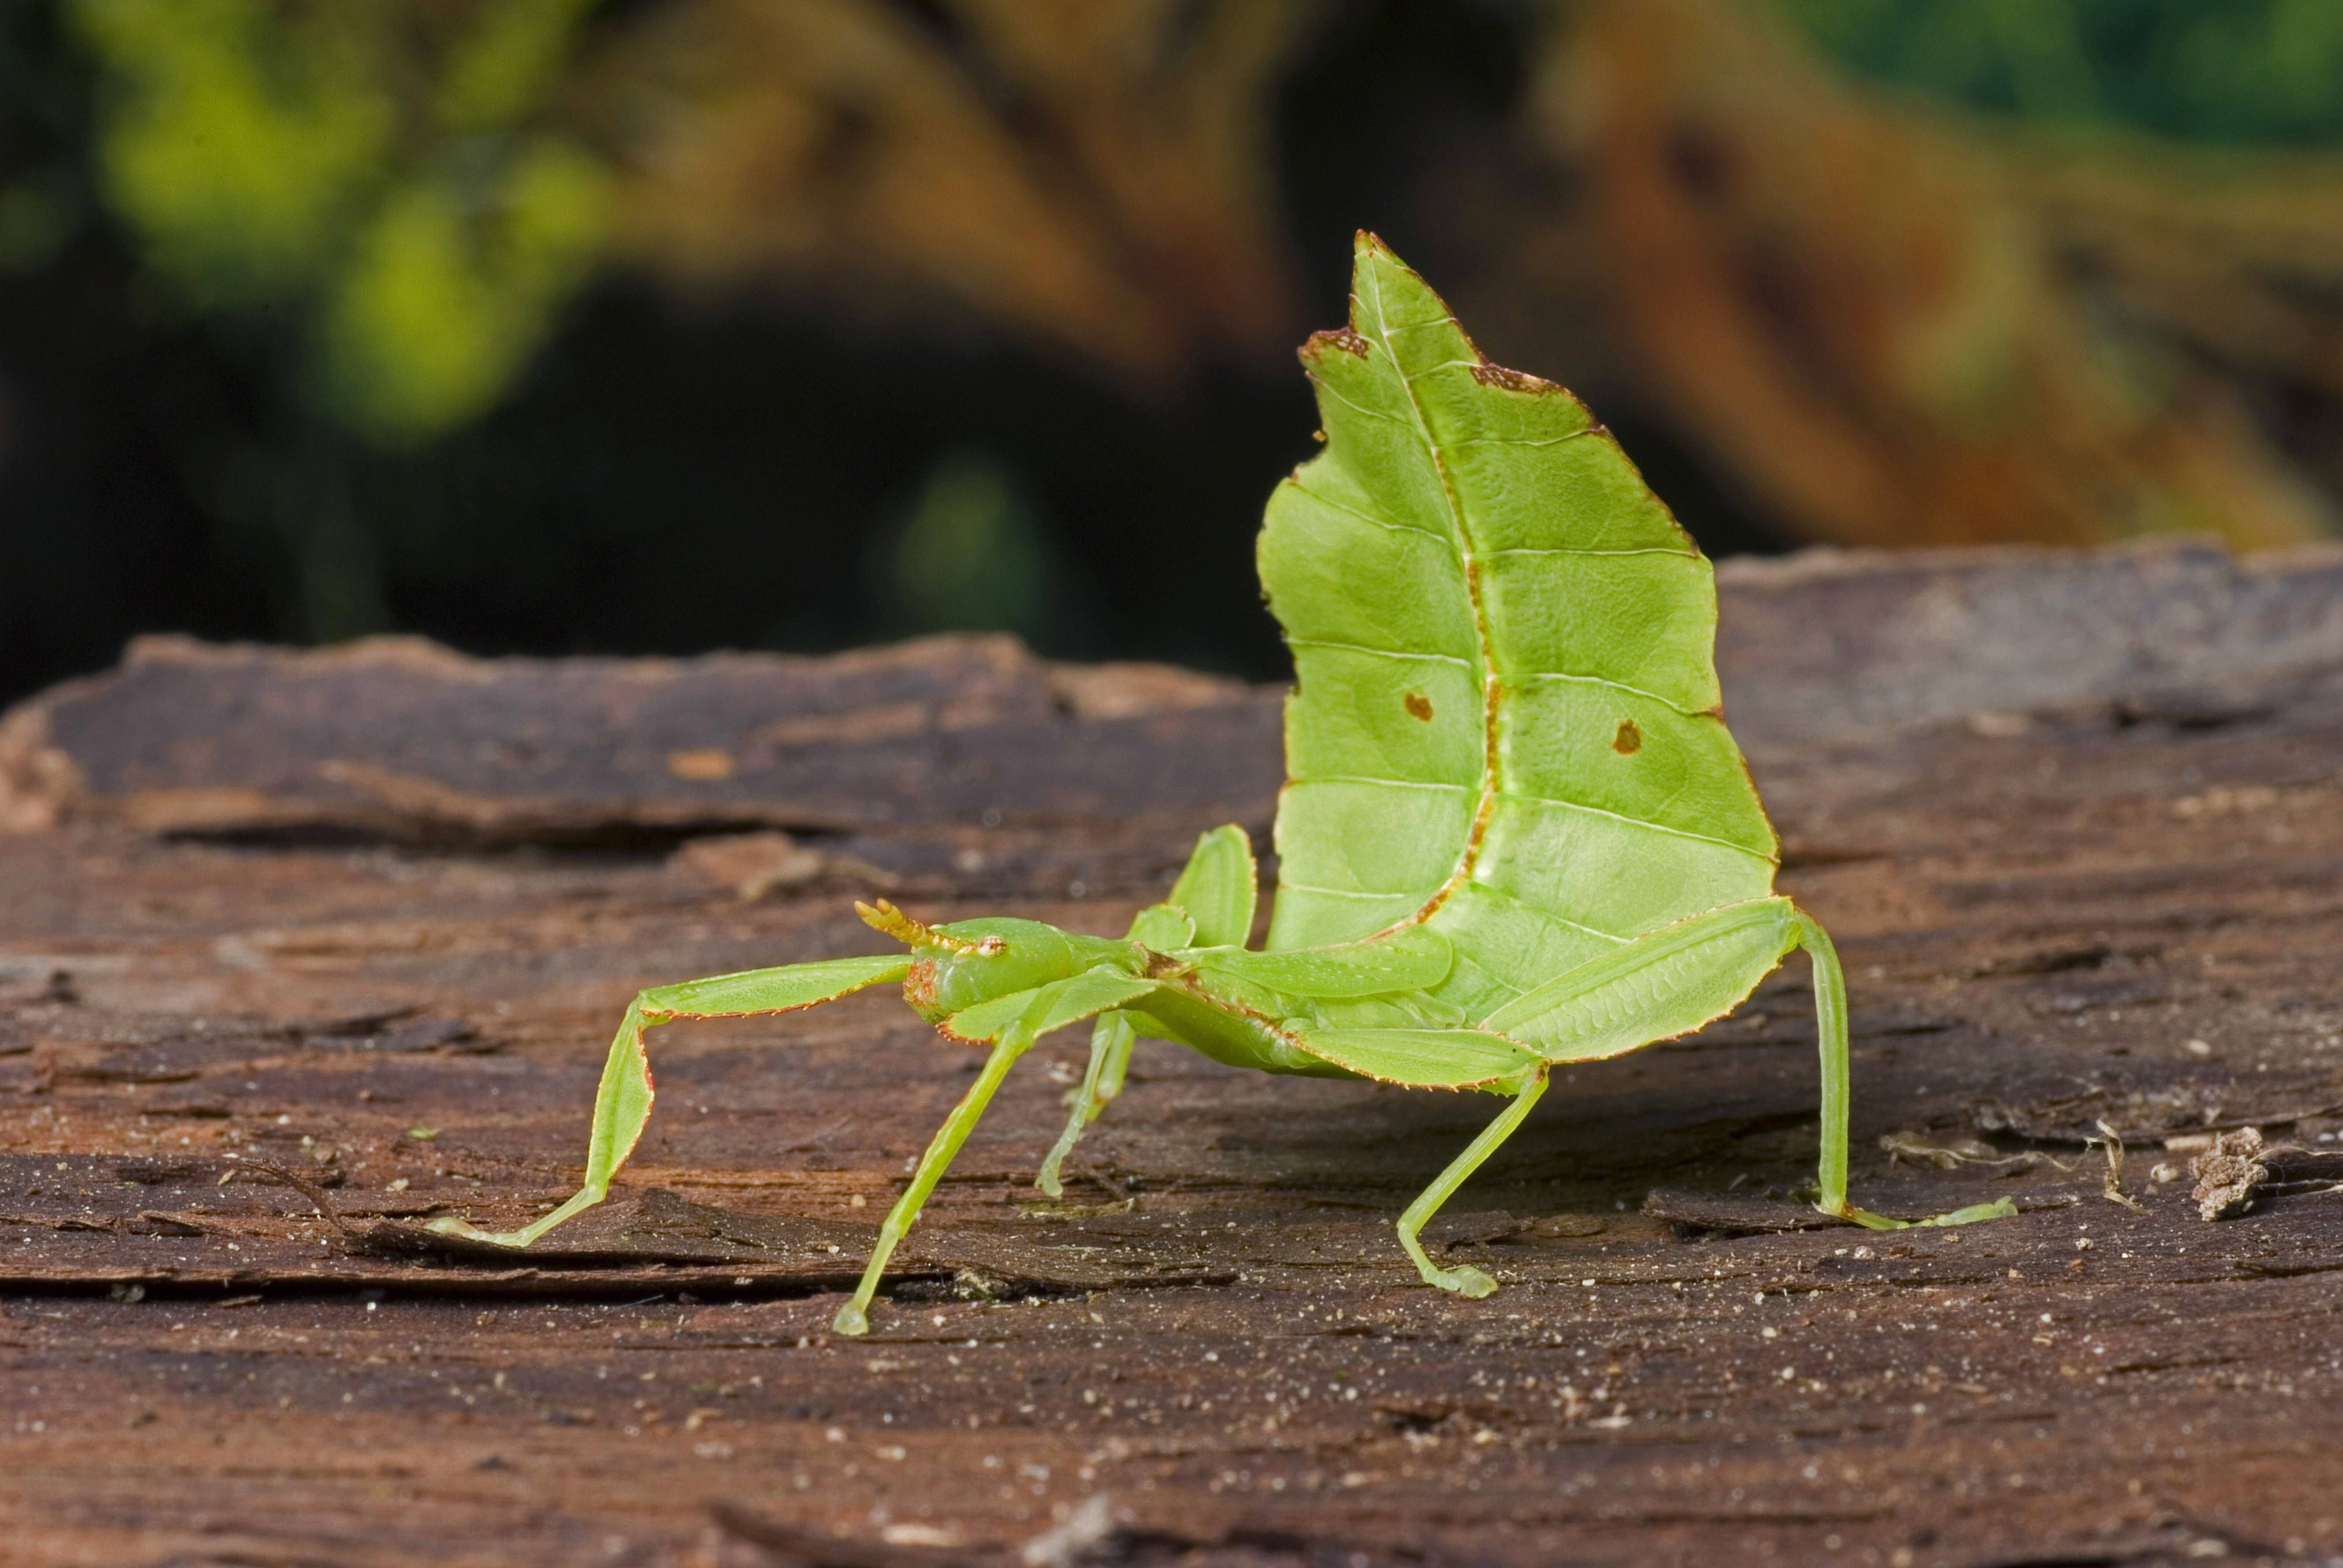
(679, 470)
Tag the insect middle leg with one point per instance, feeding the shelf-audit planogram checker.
(1110, 1044)
(1211, 906)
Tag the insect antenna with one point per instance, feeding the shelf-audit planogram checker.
(885, 918)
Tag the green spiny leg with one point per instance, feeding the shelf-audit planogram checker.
(1464, 1280)
(1110, 1044)
(623, 1102)
(1013, 1022)
(1830, 1029)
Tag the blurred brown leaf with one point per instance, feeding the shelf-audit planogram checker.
(1093, 173)
(1892, 324)
(2237, 253)
(1869, 312)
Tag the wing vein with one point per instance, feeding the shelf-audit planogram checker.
(1519, 441)
(1613, 685)
(1476, 834)
(1637, 822)
(1340, 892)
(1359, 407)
(1378, 652)
(1366, 516)
(1566, 550)
(1370, 779)
(1490, 890)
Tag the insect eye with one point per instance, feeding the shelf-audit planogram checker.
(1628, 739)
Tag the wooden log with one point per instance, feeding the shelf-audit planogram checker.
(399, 737)
(239, 1065)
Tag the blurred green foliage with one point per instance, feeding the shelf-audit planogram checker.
(376, 173)
(2268, 71)
(970, 557)
(42, 200)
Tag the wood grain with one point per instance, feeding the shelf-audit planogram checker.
(236, 1071)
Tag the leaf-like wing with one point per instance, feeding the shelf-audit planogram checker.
(1506, 722)
(1409, 959)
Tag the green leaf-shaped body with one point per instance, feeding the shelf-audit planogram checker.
(1506, 725)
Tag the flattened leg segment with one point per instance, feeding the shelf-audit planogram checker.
(623, 1102)
(1418, 1057)
(1673, 980)
(1661, 985)
(1218, 888)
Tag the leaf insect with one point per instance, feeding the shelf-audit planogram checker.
(1515, 831)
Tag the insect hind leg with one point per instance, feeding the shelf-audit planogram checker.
(1673, 981)
(1830, 1030)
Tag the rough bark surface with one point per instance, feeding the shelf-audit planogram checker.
(242, 1059)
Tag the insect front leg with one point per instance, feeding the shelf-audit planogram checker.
(623, 1102)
